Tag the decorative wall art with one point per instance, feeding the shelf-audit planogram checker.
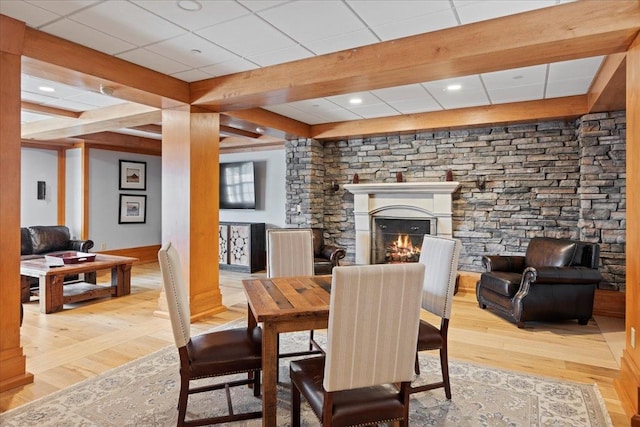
(133, 175)
(133, 209)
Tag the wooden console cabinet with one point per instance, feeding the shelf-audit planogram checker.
(242, 246)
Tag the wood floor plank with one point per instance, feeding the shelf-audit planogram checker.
(94, 336)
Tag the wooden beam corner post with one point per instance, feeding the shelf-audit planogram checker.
(12, 359)
(190, 159)
(626, 384)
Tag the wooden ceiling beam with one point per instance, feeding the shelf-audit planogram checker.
(500, 114)
(49, 111)
(91, 121)
(608, 89)
(152, 128)
(271, 123)
(53, 58)
(123, 141)
(567, 31)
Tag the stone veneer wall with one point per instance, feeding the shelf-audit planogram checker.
(553, 179)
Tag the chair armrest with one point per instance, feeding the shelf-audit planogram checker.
(562, 275)
(80, 245)
(333, 253)
(510, 263)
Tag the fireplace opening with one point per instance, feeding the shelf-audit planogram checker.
(398, 240)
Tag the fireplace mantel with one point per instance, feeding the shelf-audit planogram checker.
(400, 200)
(437, 187)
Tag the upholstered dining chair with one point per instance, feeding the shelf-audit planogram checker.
(374, 314)
(290, 253)
(440, 256)
(208, 355)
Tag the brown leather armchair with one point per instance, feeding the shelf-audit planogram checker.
(325, 257)
(555, 280)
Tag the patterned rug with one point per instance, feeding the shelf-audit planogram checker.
(145, 393)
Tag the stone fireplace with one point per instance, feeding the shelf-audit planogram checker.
(390, 217)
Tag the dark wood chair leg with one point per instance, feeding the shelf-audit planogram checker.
(444, 365)
(295, 406)
(182, 401)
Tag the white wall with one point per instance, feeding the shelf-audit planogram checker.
(270, 189)
(104, 200)
(38, 165)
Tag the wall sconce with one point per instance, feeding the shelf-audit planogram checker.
(42, 190)
(481, 182)
(334, 186)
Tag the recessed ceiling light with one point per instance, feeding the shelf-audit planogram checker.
(518, 77)
(189, 5)
(454, 87)
(355, 101)
(46, 88)
(196, 51)
(259, 130)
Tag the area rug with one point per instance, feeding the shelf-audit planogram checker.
(145, 393)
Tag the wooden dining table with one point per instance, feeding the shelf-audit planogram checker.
(284, 304)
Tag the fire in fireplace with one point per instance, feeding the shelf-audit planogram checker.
(396, 240)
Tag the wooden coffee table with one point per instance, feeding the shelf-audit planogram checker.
(53, 293)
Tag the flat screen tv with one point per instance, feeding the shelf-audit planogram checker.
(237, 185)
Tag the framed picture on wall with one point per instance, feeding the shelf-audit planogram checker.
(133, 175)
(133, 209)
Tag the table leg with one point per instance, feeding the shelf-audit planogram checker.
(269, 369)
(51, 294)
(121, 280)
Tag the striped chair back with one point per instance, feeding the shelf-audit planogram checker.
(289, 252)
(440, 256)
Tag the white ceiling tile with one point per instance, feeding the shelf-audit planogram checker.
(66, 104)
(307, 20)
(368, 98)
(128, 21)
(340, 115)
(578, 86)
(87, 36)
(258, 5)
(136, 132)
(291, 112)
(473, 10)
(314, 106)
(63, 7)
(95, 99)
(192, 75)
(36, 98)
(471, 94)
(525, 76)
(516, 93)
(341, 42)
(180, 49)
(229, 67)
(370, 111)
(289, 54)
(153, 61)
(34, 16)
(247, 36)
(29, 117)
(417, 25)
(416, 105)
(212, 12)
(577, 68)
(401, 93)
(32, 84)
(376, 13)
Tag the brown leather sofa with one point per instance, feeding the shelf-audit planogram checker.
(555, 280)
(41, 240)
(325, 256)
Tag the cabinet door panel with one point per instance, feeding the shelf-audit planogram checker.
(239, 245)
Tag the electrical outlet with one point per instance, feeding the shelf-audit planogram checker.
(633, 337)
(103, 246)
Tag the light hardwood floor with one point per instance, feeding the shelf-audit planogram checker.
(95, 336)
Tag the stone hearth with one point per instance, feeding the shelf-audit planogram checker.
(411, 200)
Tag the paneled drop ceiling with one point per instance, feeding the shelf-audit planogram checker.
(196, 40)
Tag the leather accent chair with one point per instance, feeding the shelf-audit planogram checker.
(440, 256)
(373, 328)
(555, 280)
(325, 256)
(208, 355)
